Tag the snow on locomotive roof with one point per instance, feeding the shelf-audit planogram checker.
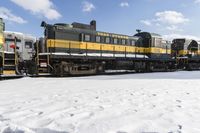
(19, 34)
(148, 34)
(155, 35)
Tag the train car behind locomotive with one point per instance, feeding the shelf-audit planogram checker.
(23, 46)
(187, 53)
(7, 59)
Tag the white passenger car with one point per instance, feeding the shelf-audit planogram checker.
(24, 44)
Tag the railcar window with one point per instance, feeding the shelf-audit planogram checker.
(98, 39)
(123, 41)
(158, 42)
(107, 39)
(87, 38)
(132, 43)
(115, 41)
(81, 37)
(128, 42)
(12, 40)
(153, 42)
(28, 45)
(1, 28)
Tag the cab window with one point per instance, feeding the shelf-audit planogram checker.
(123, 41)
(132, 43)
(98, 39)
(115, 40)
(107, 39)
(87, 38)
(28, 45)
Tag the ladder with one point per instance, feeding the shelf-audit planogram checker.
(9, 63)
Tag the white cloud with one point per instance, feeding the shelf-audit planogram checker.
(173, 28)
(172, 20)
(124, 4)
(171, 17)
(39, 7)
(158, 24)
(87, 6)
(173, 36)
(146, 22)
(197, 1)
(8, 15)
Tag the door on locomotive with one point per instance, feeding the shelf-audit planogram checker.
(24, 49)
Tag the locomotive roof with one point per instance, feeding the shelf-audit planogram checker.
(88, 31)
(155, 35)
(148, 35)
(187, 41)
(19, 34)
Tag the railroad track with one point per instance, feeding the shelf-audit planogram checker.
(113, 72)
(10, 77)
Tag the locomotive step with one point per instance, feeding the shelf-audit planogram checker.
(9, 67)
(10, 56)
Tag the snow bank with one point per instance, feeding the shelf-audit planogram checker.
(132, 103)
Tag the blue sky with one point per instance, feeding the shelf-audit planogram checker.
(169, 18)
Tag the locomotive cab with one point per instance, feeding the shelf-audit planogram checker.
(155, 46)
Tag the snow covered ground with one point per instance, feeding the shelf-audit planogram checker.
(132, 103)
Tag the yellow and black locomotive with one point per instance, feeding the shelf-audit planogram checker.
(79, 49)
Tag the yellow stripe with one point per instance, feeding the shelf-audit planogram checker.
(185, 52)
(1, 39)
(9, 72)
(105, 47)
(182, 52)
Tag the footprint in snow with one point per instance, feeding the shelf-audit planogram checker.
(153, 106)
(180, 127)
(101, 108)
(71, 115)
(75, 101)
(154, 95)
(40, 113)
(120, 132)
(3, 119)
(179, 101)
